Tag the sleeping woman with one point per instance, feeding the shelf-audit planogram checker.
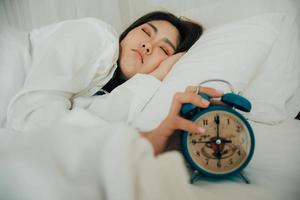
(83, 90)
(73, 60)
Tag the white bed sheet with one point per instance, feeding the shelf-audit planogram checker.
(274, 171)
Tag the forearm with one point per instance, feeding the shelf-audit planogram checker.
(158, 137)
(158, 143)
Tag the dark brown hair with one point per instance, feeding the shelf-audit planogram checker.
(189, 33)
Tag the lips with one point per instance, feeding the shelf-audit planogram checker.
(139, 54)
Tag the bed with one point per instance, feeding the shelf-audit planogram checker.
(257, 46)
(273, 172)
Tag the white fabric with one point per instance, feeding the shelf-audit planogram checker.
(124, 102)
(14, 65)
(276, 81)
(75, 54)
(109, 161)
(69, 162)
(232, 52)
(74, 57)
(293, 105)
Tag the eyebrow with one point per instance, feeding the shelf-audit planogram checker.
(165, 39)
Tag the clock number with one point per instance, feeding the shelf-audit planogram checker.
(204, 137)
(230, 161)
(239, 152)
(207, 160)
(228, 121)
(219, 164)
(205, 122)
(198, 153)
(193, 141)
(238, 128)
(243, 140)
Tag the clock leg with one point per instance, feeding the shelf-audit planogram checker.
(244, 178)
(196, 176)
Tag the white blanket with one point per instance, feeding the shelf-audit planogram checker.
(80, 158)
(68, 59)
(78, 161)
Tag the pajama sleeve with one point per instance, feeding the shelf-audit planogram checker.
(66, 58)
(125, 101)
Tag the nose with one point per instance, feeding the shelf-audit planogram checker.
(147, 48)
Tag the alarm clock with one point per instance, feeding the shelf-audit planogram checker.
(227, 145)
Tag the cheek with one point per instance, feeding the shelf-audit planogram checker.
(131, 39)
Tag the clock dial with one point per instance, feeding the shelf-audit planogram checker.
(225, 144)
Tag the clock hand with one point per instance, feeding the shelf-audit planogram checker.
(217, 121)
(218, 153)
(219, 140)
(226, 141)
(222, 140)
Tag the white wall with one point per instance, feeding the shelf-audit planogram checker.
(212, 12)
(29, 14)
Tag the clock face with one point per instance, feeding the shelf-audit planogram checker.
(224, 147)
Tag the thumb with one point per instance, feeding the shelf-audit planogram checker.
(177, 56)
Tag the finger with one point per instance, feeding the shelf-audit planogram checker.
(176, 56)
(189, 126)
(179, 54)
(191, 89)
(170, 61)
(180, 98)
(210, 91)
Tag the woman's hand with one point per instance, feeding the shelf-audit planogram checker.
(165, 66)
(160, 136)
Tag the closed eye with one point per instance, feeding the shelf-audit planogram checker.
(146, 32)
(165, 51)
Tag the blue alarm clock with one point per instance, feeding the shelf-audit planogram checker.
(227, 145)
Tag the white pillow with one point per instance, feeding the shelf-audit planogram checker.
(278, 79)
(232, 52)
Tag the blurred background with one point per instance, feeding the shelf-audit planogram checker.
(26, 15)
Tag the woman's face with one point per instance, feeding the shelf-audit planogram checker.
(146, 46)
